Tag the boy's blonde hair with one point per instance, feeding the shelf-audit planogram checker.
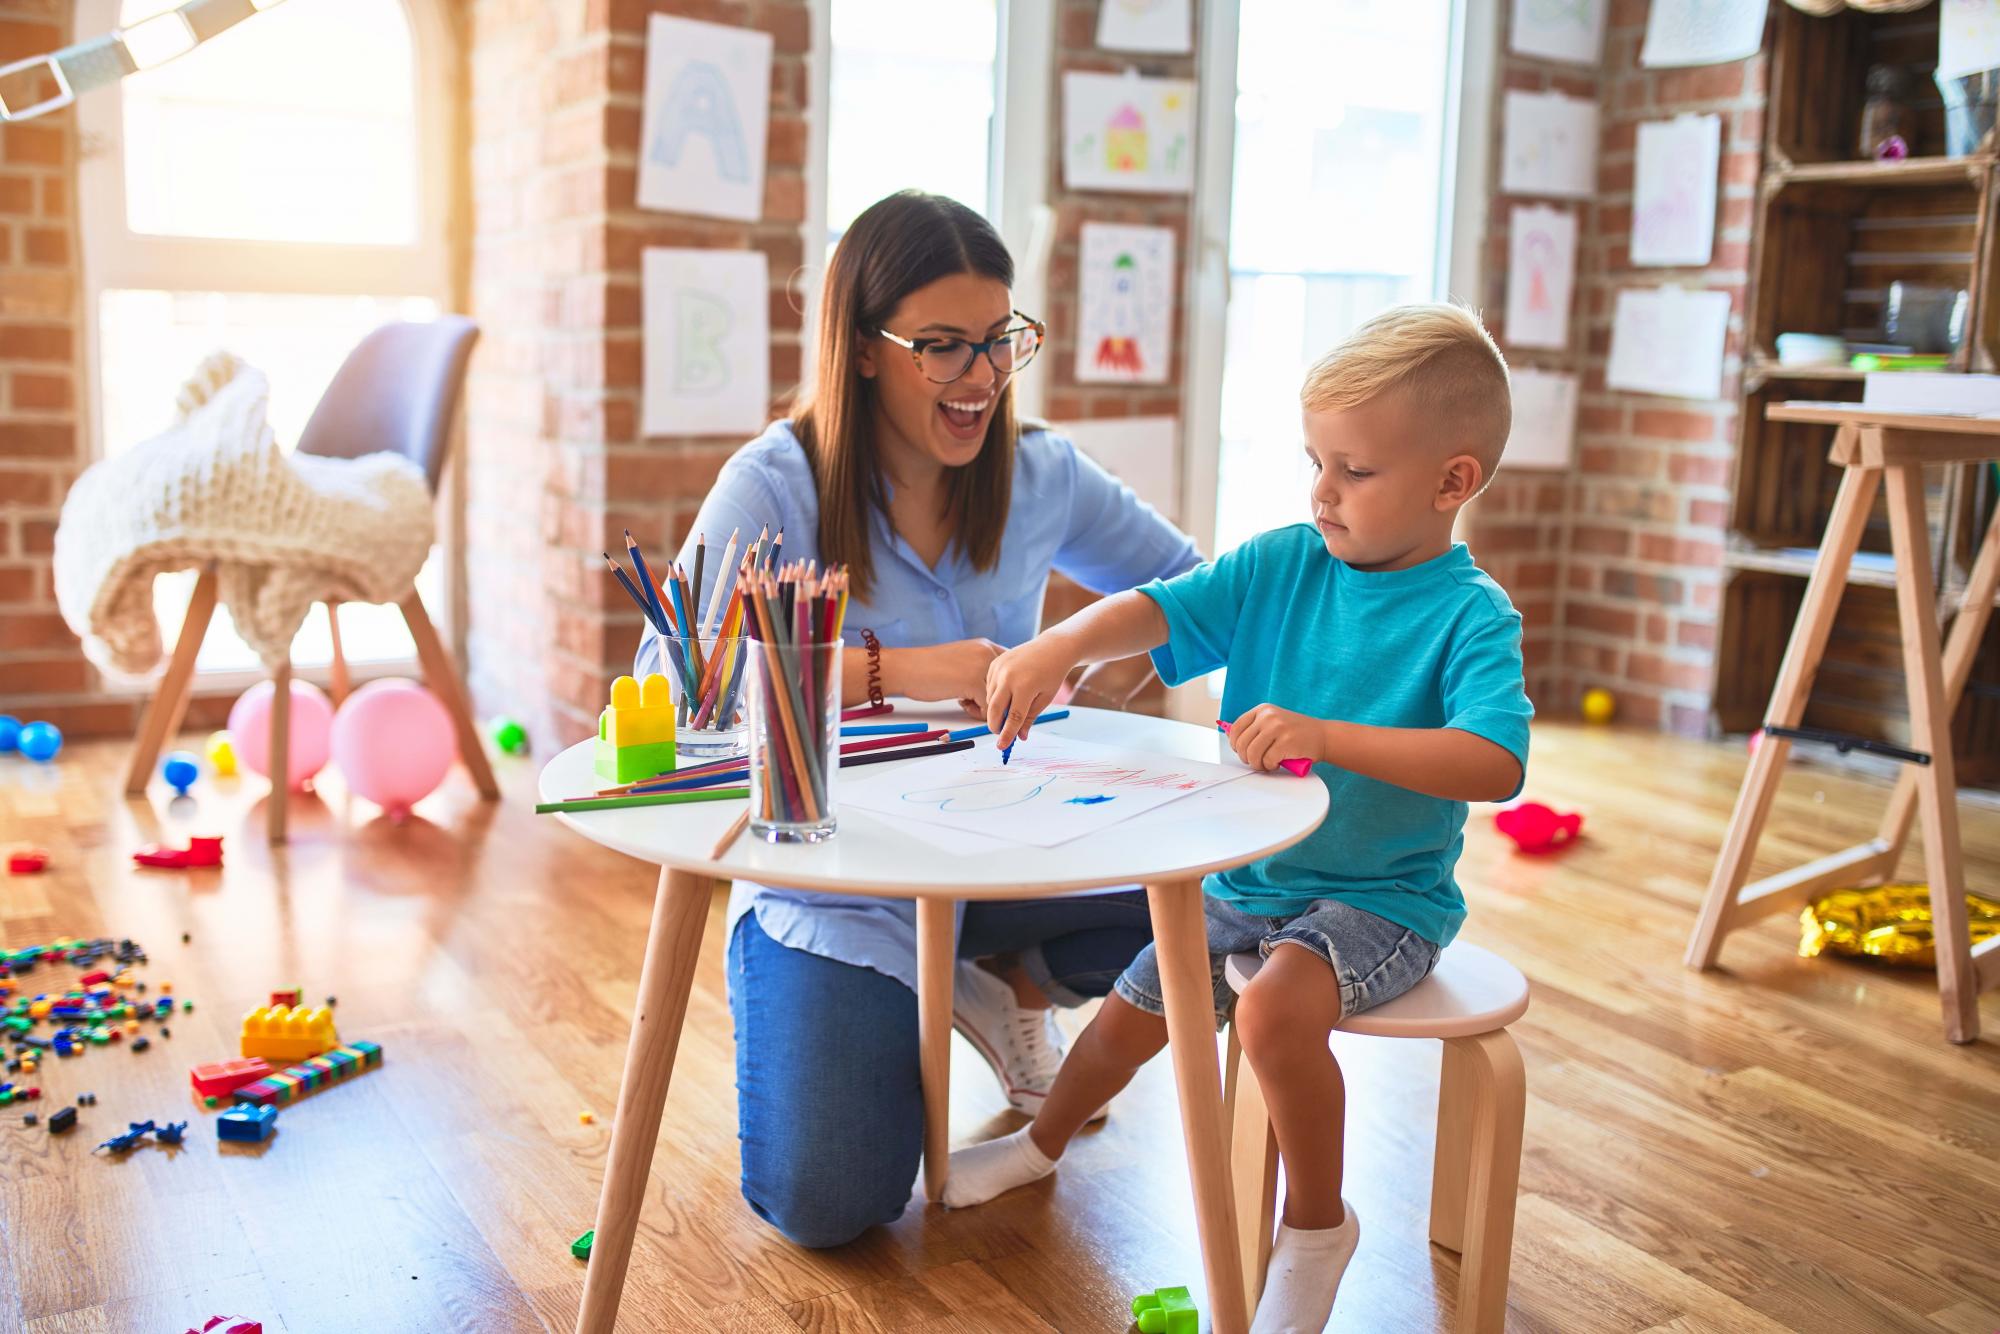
(1443, 356)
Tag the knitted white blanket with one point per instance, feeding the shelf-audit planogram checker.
(283, 530)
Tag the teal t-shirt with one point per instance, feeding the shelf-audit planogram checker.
(1435, 645)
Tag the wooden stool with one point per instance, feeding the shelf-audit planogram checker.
(1871, 445)
(1468, 1001)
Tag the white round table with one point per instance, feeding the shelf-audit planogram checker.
(1168, 850)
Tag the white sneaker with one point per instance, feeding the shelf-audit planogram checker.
(1024, 1047)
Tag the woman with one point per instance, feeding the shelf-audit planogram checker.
(904, 462)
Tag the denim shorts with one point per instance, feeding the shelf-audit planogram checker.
(1374, 959)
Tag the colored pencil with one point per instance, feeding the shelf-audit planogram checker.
(884, 729)
(712, 767)
(646, 583)
(914, 753)
(735, 771)
(865, 710)
(1298, 768)
(729, 835)
(722, 570)
(646, 799)
(967, 733)
(700, 560)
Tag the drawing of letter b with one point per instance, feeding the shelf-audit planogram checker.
(701, 322)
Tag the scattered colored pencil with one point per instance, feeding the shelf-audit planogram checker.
(884, 729)
(968, 733)
(640, 799)
(701, 782)
(736, 827)
(864, 710)
(725, 766)
(1298, 768)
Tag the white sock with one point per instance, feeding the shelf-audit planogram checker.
(993, 1168)
(1304, 1276)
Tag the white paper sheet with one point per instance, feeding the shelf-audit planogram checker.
(1145, 25)
(1055, 790)
(1968, 37)
(1541, 274)
(1570, 30)
(1668, 341)
(1125, 303)
(1141, 452)
(1702, 32)
(1123, 132)
(1544, 432)
(707, 355)
(1549, 145)
(708, 99)
(1673, 191)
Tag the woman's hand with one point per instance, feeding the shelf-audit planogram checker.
(947, 671)
(1267, 735)
(1021, 681)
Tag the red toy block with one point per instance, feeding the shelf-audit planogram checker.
(1536, 828)
(26, 861)
(221, 1078)
(198, 852)
(92, 979)
(290, 998)
(230, 1324)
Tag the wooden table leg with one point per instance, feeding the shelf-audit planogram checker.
(1180, 941)
(169, 706)
(937, 946)
(680, 913)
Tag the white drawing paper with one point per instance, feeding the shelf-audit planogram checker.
(1541, 274)
(708, 98)
(1140, 452)
(1055, 789)
(1549, 145)
(1544, 432)
(1968, 37)
(1569, 30)
(1124, 132)
(707, 355)
(1160, 26)
(1668, 341)
(1702, 32)
(1673, 190)
(1125, 306)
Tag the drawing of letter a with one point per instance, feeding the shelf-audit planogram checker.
(699, 103)
(701, 322)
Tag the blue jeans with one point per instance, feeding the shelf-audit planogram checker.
(830, 1104)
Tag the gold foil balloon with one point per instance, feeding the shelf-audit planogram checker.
(1887, 922)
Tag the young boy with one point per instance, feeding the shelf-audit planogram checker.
(1371, 644)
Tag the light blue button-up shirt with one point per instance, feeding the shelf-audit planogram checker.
(1067, 514)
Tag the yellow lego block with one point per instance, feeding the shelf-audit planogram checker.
(280, 1033)
(641, 714)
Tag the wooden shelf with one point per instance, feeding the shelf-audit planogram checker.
(1763, 368)
(1915, 171)
(1865, 572)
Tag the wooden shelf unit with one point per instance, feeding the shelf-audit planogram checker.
(1832, 233)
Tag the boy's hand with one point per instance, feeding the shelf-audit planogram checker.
(1267, 735)
(1020, 682)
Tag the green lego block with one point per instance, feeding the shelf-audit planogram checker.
(1166, 1311)
(629, 764)
(580, 1248)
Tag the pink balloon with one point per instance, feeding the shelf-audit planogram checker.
(394, 743)
(310, 722)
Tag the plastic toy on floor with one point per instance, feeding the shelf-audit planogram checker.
(26, 861)
(180, 770)
(229, 1324)
(1536, 828)
(198, 852)
(1166, 1311)
(247, 1123)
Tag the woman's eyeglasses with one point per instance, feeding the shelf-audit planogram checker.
(943, 360)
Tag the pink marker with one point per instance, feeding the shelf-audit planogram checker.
(1297, 767)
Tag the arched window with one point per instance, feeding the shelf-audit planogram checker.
(277, 192)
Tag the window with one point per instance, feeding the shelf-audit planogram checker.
(277, 192)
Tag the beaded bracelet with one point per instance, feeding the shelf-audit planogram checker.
(874, 667)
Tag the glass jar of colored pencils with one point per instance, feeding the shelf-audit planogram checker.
(794, 690)
(710, 703)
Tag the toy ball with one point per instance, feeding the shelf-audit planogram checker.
(1537, 828)
(1598, 705)
(394, 742)
(10, 732)
(40, 741)
(310, 724)
(221, 754)
(509, 736)
(180, 771)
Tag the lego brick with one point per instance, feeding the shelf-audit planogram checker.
(220, 1077)
(310, 1076)
(247, 1123)
(280, 1033)
(1166, 1311)
(629, 764)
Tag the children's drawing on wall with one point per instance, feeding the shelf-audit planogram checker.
(1673, 190)
(1571, 30)
(1160, 26)
(707, 354)
(1124, 132)
(1548, 145)
(1668, 341)
(1968, 38)
(1054, 789)
(1702, 32)
(1126, 303)
(1541, 271)
(706, 111)
(1544, 427)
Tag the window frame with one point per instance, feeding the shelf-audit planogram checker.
(113, 257)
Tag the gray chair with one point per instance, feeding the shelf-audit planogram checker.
(397, 391)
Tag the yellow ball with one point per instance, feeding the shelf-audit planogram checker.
(222, 755)
(586, 1118)
(1598, 705)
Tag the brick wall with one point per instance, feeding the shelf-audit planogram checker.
(559, 467)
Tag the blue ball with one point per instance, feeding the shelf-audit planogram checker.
(40, 741)
(10, 732)
(180, 771)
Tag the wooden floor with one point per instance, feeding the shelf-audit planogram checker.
(1784, 1145)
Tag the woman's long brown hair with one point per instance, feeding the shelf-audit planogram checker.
(897, 245)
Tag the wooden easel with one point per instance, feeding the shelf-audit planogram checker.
(1871, 447)
(169, 704)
